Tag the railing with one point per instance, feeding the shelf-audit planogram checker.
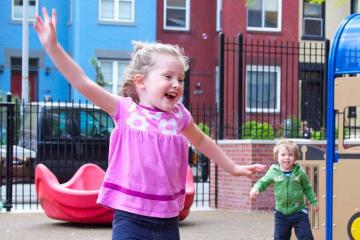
(64, 136)
(271, 89)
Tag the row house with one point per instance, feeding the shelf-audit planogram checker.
(94, 33)
(282, 76)
(99, 34)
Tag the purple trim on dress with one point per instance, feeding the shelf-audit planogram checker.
(143, 195)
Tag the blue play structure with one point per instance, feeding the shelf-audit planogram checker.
(343, 164)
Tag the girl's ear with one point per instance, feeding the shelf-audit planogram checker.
(139, 81)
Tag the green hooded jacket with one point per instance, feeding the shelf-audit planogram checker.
(289, 190)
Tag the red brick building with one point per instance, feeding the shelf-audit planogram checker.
(192, 25)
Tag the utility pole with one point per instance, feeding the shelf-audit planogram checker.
(25, 53)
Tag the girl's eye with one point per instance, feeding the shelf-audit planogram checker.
(181, 81)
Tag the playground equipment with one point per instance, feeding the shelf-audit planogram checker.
(189, 195)
(75, 200)
(343, 165)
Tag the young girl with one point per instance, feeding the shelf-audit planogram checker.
(148, 154)
(290, 185)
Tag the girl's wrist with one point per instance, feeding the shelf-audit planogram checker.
(53, 49)
(240, 170)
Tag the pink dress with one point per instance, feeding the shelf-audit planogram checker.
(148, 160)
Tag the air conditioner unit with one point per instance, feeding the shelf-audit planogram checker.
(312, 27)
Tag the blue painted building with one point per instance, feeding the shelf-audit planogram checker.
(88, 30)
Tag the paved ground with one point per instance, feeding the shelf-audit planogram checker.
(206, 224)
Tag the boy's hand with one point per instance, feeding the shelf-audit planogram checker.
(316, 208)
(253, 194)
(46, 29)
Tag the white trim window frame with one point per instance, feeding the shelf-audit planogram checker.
(313, 19)
(181, 10)
(17, 9)
(113, 73)
(264, 15)
(263, 88)
(218, 15)
(117, 11)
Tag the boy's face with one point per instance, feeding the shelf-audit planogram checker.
(286, 159)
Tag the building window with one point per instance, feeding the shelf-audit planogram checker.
(17, 9)
(263, 88)
(117, 10)
(264, 15)
(313, 20)
(177, 15)
(113, 72)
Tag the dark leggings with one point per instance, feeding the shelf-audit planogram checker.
(128, 226)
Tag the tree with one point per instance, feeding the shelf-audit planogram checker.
(99, 76)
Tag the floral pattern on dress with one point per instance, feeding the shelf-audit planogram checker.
(168, 126)
(137, 121)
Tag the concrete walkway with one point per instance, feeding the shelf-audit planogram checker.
(205, 224)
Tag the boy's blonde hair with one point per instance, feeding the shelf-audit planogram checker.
(142, 60)
(289, 145)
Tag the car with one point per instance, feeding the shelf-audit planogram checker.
(64, 136)
(22, 164)
(22, 170)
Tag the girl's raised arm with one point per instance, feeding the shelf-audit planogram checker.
(46, 30)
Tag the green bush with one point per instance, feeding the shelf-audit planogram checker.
(321, 135)
(205, 128)
(256, 130)
(318, 135)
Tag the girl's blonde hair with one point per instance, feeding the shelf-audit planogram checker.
(289, 145)
(142, 59)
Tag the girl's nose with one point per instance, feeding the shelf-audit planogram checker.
(176, 84)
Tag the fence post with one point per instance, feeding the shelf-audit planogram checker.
(220, 134)
(240, 81)
(9, 152)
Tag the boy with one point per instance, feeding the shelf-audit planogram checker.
(290, 185)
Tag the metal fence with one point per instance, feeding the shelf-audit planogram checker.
(271, 89)
(64, 136)
(268, 89)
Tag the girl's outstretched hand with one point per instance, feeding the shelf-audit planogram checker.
(46, 29)
(249, 170)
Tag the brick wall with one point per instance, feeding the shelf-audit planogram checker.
(233, 192)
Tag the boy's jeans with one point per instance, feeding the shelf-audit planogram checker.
(298, 220)
(128, 226)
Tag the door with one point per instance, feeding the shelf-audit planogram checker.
(311, 106)
(16, 84)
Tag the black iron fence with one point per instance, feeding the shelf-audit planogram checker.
(271, 89)
(64, 136)
(267, 90)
